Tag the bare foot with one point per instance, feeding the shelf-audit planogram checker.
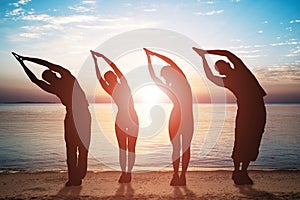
(122, 178)
(73, 183)
(182, 180)
(175, 180)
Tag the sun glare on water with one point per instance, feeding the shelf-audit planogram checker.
(149, 94)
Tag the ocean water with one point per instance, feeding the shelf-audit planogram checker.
(31, 138)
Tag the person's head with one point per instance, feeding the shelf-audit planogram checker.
(110, 77)
(167, 73)
(223, 67)
(170, 75)
(49, 76)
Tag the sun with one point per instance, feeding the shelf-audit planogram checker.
(150, 94)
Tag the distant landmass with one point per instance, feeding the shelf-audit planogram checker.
(30, 102)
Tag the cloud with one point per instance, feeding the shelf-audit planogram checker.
(207, 2)
(259, 45)
(83, 21)
(290, 42)
(15, 12)
(252, 56)
(150, 9)
(295, 21)
(213, 12)
(117, 23)
(60, 20)
(23, 2)
(89, 2)
(80, 8)
(41, 28)
(250, 53)
(74, 35)
(33, 17)
(84, 6)
(248, 46)
(30, 35)
(241, 47)
(247, 52)
(49, 24)
(210, 2)
(20, 2)
(289, 29)
(275, 74)
(235, 40)
(25, 36)
(260, 31)
(294, 52)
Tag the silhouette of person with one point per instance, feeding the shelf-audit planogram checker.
(77, 122)
(126, 125)
(181, 123)
(251, 113)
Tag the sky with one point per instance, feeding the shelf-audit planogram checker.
(264, 34)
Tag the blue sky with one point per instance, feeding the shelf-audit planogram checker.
(264, 34)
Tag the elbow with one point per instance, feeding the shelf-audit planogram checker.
(211, 77)
(35, 81)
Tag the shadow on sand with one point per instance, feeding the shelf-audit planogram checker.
(125, 190)
(253, 193)
(72, 192)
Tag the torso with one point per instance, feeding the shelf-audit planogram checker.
(70, 93)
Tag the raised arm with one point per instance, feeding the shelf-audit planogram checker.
(168, 60)
(151, 70)
(215, 79)
(42, 84)
(100, 78)
(236, 61)
(113, 66)
(45, 63)
(164, 87)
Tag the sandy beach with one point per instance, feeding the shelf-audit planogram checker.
(152, 185)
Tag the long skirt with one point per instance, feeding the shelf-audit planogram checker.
(250, 124)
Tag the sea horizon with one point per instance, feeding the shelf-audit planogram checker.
(31, 139)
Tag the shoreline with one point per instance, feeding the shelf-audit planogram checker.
(142, 172)
(279, 184)
(99, 103)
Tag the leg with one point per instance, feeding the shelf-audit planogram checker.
(186, 154)
(246, 179)
(176, 154)
(131, 156)
(175, 159)
(245, 165)
(185, 163)
(236, 165)
(237, 154)
(236, 174)
(83, 128)
(131, 152)
(71, 149)
(82, 161)
(121, 137)
(71, 163)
